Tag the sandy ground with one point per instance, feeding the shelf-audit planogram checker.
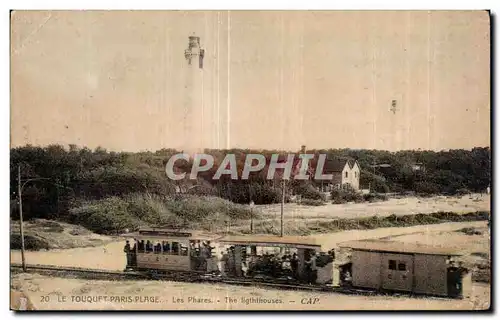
(70, 294)
(403, 206)
(73, 294)
(111, 256)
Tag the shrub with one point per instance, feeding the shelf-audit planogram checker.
(30, 242)
(308, 191)
(462, 191)
(426, 188)
(343, 196)
(373, 197)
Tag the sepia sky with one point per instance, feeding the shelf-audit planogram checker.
(271, 80)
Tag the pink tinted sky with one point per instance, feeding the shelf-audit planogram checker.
(272, 80)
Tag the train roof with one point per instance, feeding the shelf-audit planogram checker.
(399, 247)
(272, 241)
(172, 233)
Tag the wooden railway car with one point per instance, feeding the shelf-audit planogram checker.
(287, 258)
(253, 256)
(177, 250)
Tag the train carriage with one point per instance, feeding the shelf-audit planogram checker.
(175, 250)
(283, 251)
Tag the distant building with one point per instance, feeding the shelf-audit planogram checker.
(346, 173)
(418, 167)
(399, 266)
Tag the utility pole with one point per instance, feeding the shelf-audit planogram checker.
(21, 215)
(20, 187)
(282, 204)
(251, 216)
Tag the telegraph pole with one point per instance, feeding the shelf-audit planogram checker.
(20, 187)
(251, 216)
(282, 204)
(21, 215)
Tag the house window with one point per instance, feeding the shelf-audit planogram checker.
(346, 174)
(401, 266)
(355, 174)
(392, 264)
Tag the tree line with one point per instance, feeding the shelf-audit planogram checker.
(80, 174)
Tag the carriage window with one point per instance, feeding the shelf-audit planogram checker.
(392, 264)
(157, 247)
(166, 247)
(401, 266)
(175, 248)
(184, 250)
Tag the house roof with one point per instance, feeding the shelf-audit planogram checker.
(399, 247)
(272, 241)
(337, 165)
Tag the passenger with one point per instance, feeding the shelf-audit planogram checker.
(286, 264)
(332, 253)
(244, 269)
(294, 264)
(197, 248)
(209, 248)
(149, 246)
(128, 253)
(252, 262)
(141, 246)
(193, 248)
(134, 254)
(312, 270)
(230, 265)
(158, 248)
(175, 248)
(223, 263)
(166, 247)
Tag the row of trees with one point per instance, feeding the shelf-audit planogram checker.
(78, 174)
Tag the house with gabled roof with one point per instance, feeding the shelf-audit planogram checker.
(345, 172)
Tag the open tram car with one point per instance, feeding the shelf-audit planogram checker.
(259, 257)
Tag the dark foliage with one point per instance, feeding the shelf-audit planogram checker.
(77, 174)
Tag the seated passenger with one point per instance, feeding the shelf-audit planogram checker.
(157, 248)
(166, 247)
(175, 248)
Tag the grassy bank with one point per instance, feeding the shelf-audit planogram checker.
(46, 234)
(306, 227)
(116, 214)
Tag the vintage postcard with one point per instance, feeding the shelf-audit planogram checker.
(250, 160)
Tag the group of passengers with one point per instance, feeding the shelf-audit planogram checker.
(274, 265)
(148, 246)
(201, 251)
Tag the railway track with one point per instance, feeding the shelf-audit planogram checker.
(175, 276)
(97, 274)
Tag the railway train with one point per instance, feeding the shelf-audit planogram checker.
(298, 261)
(257, 257)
